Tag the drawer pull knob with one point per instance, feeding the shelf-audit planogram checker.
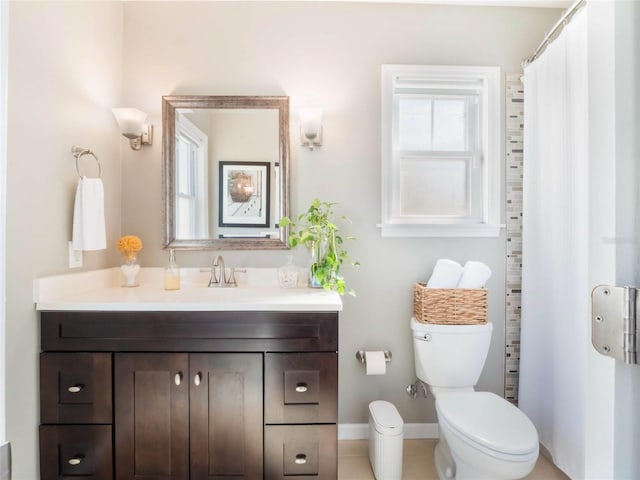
(75, 388)
(178, 378)
(75, 460)
(197, 379)
(302, 387)
(301, 459)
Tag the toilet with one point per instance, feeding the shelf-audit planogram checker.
(482, 436)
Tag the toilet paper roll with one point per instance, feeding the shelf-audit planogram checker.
(474, 275)
(446, 274)
(376, 364)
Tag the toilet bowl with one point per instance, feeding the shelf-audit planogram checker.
(482, 436)
(487, 436)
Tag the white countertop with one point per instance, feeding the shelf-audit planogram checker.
(99, 290)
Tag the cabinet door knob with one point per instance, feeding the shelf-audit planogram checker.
(75, 460)
(301, 459)
(178, 378)
(75, 388)
(302, 387)
(197, 379)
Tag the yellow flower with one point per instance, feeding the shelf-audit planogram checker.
(129, 245)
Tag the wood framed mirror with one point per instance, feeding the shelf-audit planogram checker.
(225, 172)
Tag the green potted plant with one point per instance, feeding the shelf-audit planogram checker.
(316, 230)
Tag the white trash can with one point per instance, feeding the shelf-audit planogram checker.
(385, 440)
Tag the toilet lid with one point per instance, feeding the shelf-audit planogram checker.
(489, 420)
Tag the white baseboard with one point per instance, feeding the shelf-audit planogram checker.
(353, 431)
(359, 431)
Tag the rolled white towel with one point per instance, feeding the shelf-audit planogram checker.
(474, 275)
(446, 274)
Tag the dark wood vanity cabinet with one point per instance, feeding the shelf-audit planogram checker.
(189, 395)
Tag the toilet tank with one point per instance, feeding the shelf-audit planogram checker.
(450, 356)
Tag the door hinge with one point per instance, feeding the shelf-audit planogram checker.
(614, 329)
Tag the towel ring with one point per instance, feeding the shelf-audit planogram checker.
(79, 152)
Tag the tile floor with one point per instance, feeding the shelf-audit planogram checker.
(353, 462)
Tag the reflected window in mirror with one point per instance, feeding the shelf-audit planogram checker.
(192, 194)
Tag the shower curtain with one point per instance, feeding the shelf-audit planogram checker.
(555, 289)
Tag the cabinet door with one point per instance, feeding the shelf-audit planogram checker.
(226, 416)
(152, 416)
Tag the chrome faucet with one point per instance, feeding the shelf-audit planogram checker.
(221, 279)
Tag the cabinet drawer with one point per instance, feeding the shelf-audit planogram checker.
(75, 388)
(71, 451)
(301, 452)
(218, 331)
(301, 388)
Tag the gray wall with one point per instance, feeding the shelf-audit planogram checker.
(333, 51)
(65, 74)
(70, 62)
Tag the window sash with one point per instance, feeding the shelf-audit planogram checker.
(472, 122)
(432, 159)
(472, 212)
(187, 166)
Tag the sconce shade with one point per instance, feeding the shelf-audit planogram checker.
(311, 126)
(130, 121)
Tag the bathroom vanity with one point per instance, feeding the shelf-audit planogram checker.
(186, 387)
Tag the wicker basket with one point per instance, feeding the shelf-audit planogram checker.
(449, 306)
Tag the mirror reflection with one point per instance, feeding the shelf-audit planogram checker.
(225, 171)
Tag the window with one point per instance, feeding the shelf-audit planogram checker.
(441, 151)
(192, 211)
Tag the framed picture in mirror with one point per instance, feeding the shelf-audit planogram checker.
(244, 194)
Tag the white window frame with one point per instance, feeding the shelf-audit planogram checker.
(487, 81)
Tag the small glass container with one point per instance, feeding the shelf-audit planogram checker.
(288, 274)
(130, 269)
(172, 273)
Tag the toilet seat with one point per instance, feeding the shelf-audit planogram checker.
(488, 423)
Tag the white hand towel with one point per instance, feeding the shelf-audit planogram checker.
(88, 215)
(446, 274)
(474, 275)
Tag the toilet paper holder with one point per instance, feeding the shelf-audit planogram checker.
(360, 356)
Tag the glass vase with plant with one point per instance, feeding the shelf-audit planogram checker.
(129, 246)
(317, 230)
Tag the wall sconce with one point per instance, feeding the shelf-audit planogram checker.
(311, 126)
(132, 126)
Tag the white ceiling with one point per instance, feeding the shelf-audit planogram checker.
(493, 3)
